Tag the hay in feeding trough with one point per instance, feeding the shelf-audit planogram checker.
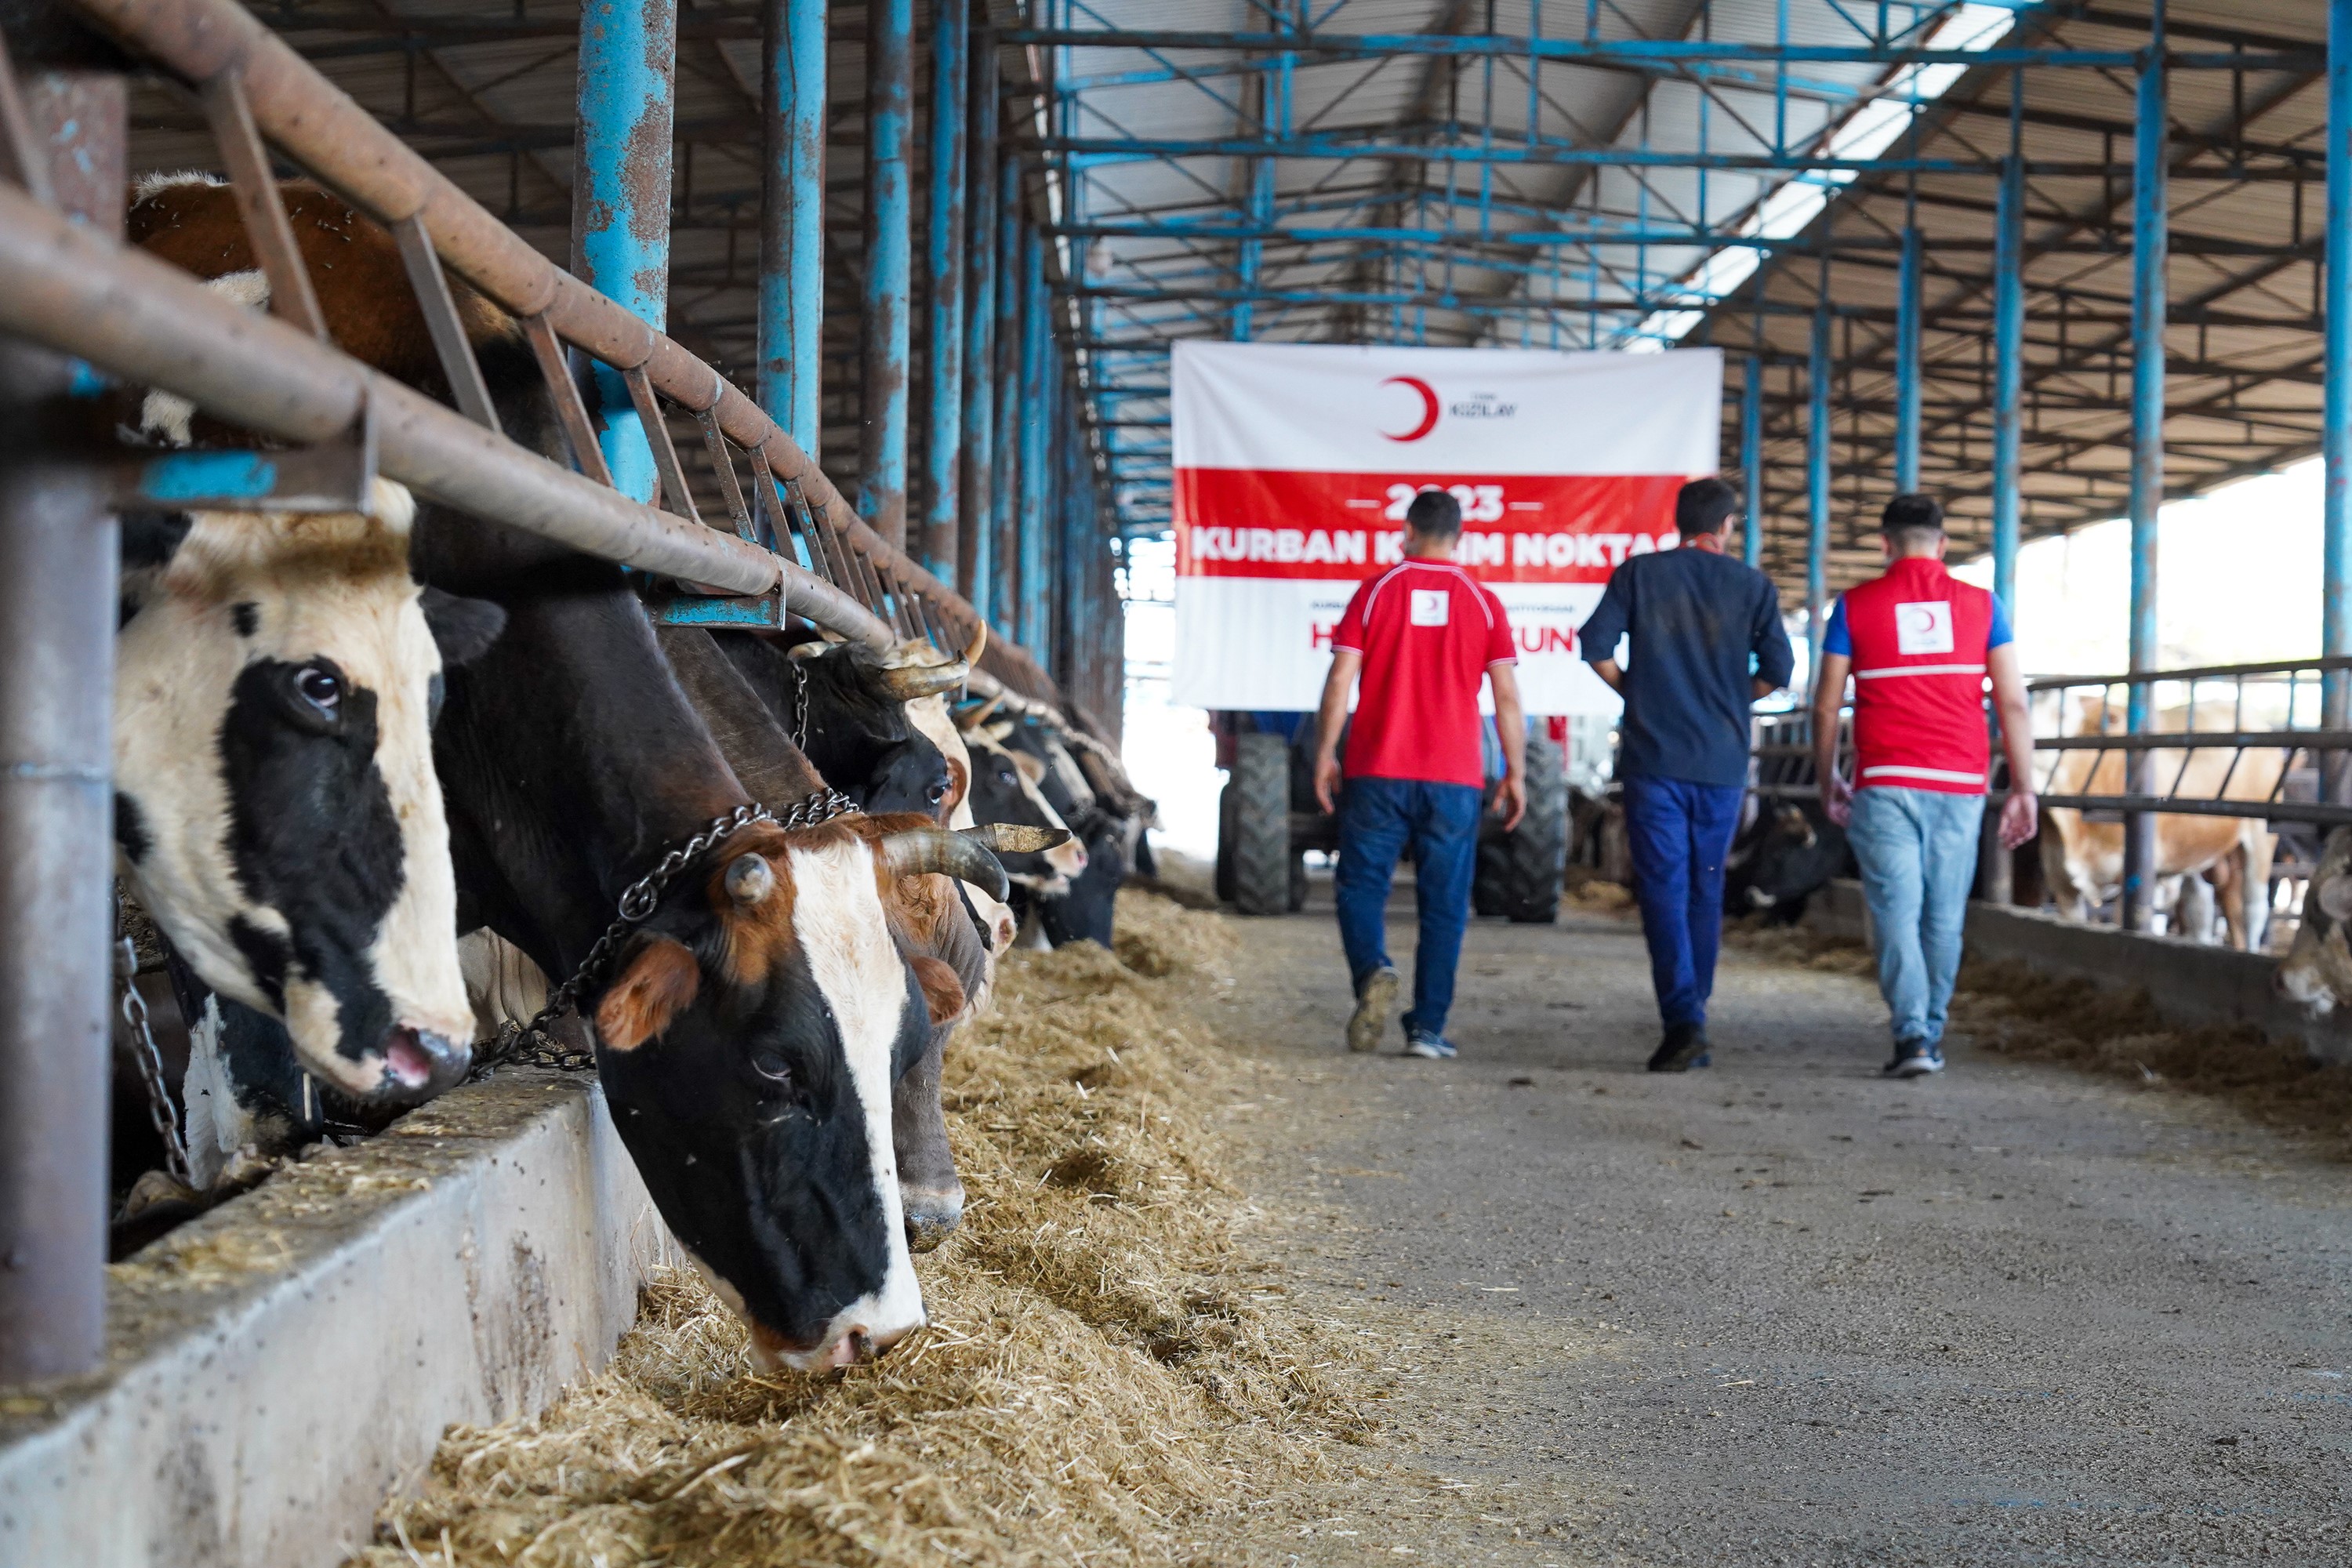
(1097, 1385)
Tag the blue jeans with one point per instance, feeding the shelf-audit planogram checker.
(1917, 849)
(1678, 834)
(1378, 817)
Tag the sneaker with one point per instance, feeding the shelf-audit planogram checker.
(1431, 1048)
(1371, 1016)
(1684, 1049)
(1916, 1058)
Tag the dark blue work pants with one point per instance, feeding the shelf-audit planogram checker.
(1679, 833)
(1378, 817)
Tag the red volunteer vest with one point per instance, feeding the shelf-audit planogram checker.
(1919, 636)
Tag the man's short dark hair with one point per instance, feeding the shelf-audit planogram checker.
(1702, 506)
(1433, 514)
(1912, 519)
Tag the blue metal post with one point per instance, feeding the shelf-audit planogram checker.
(975, 499)
(792, 219)
(944, 341)
(2007, 378)
(2336, 548)
(2149, 218)
(1817, 493)
(1037, 474)
(1906, 365)
(1012, 342)
(620, 194)
(1751, 461)
(889, 257)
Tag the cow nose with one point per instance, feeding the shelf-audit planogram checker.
(420, 1062)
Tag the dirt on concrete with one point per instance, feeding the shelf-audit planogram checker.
(1782, 1311)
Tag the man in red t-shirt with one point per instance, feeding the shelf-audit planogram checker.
(1421, 634)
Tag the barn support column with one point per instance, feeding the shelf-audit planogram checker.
(943, 251)
(57, 594)
(973, 493)
(620, 195)
(1036, 393)
(1005, 503)
(1751, 461)
(792, 219)
(889, 263)
(2008, 379)
(2336, 550)
(1817, 494)
(1906, 365)
(2149, 216)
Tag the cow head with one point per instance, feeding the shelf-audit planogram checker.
(277, 806)
(750, 1039)
(1008, 786)
(2317, 973)
(858, 727)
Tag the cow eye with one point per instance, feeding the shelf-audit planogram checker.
(772, 1066)
(938, 792)
(321, 689)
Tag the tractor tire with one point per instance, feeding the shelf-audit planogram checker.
(1260, 788)
(1224, 884)
(1298, 880)
(1519, 872)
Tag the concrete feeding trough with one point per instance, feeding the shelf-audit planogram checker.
(275, 1367)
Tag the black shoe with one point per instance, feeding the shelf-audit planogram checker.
(1684, 1042)
(1914, 1058)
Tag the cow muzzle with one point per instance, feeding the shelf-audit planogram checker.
(770, 1351)
(419, 1064)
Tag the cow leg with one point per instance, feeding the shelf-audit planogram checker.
(2254, 900)
(2193, 916)
(929, 1188)
(2059, 876)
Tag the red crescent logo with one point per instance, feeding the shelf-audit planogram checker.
(1428, 407)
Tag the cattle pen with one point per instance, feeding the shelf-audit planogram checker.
(582, 972)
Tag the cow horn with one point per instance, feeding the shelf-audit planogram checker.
(978, 646)
(924, 851)
(975, 718)
(750, 879)
(1013, 839)
(910, 681)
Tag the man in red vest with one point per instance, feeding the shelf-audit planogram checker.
(1921, 644)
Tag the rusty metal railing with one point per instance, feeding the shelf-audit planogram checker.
(846, 578)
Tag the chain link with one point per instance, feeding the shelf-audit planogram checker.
(151, 1066)
(531, 1043)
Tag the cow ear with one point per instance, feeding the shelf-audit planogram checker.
(942, 991)
(658, 982)
(2334, 895)
(463, 629)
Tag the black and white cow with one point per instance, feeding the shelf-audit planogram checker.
(1007, 786)
(2317, 973)
(277, 809)
(1787, 855)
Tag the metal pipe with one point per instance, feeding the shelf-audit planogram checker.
(1752, 462)
(2008, 381)
(944, 253)
(1011, 302)
(889, 265)
(1036, 339)
(1906, 364)
(57, 598)
(347, 147)
(1817, 495)
(2149, 219)
(2335, 547)
(975, 497)
(792, 216)
(620, 196)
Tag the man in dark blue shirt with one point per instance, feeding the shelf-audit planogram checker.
(1705, 643)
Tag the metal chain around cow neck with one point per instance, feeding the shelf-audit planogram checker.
(530, 1043)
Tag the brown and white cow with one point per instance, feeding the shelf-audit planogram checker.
(277, 809)
(2083, 861)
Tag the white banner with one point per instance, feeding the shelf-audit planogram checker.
(1294, 463)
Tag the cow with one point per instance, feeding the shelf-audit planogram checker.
(1006, 787)
(1787, 855)
(276, 812)
(1085, 911)
(2083, 861)
(846, 706)
(751, 1025)
(2317, 973)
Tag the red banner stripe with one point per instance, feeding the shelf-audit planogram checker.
(1519, 527)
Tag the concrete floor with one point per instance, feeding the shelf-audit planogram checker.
(1782, 1311)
